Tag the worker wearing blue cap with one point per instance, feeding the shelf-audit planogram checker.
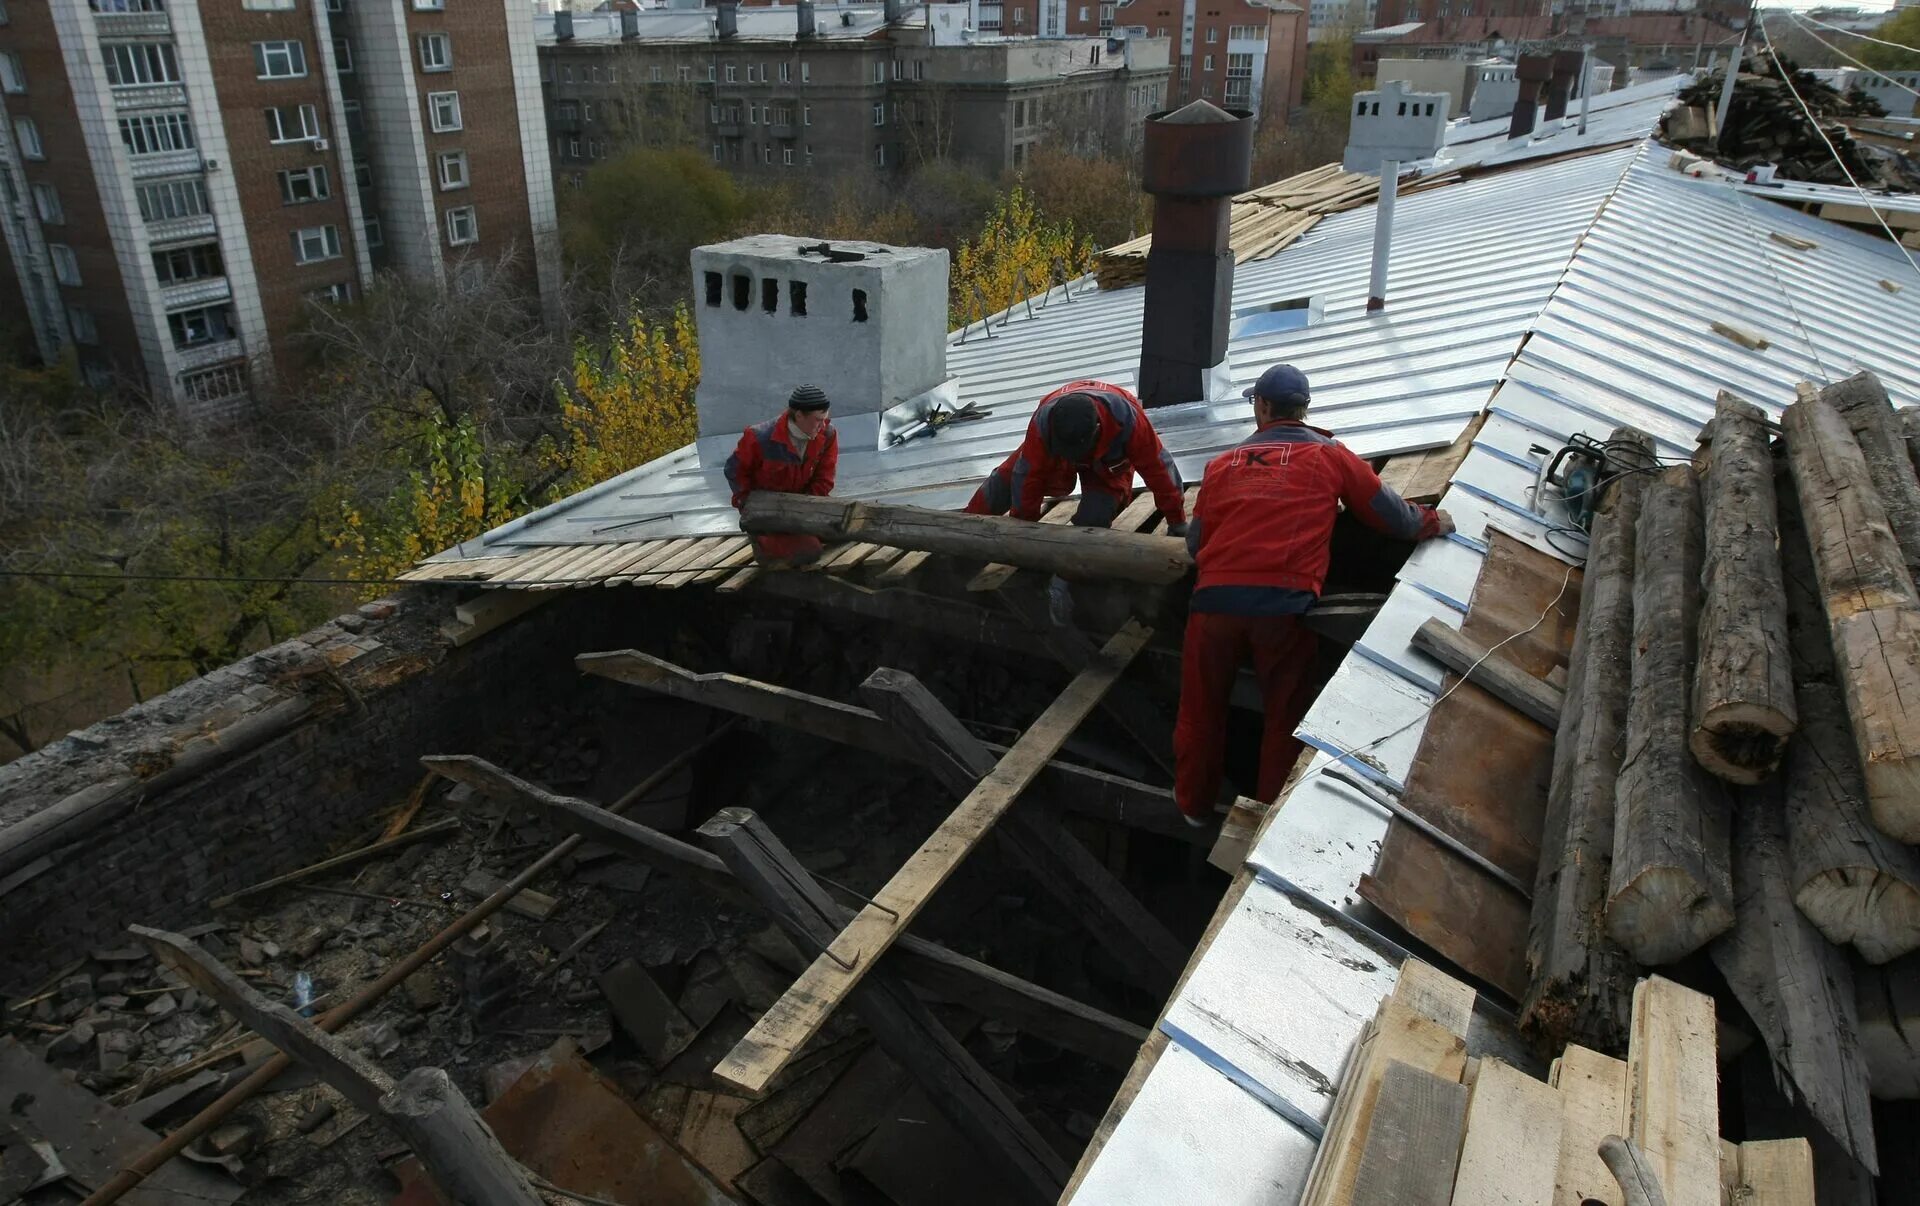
(1260, 535)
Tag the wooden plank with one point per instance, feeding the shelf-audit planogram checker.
(1434, 994)
(697, 553)
(1059, 511)
(1593, 1105)
(657, 552)
(798, 1016)
(964, 1093)
(1424, 476)
(478, 616)
(1507, 682)
(951, 976)
(1055, 549)
(1511, 1153)
(1414, 1141)
(739, 580)
(903, 569)
(714, 553)
(1673, 1110)
(723, 566)
(1776, 1172)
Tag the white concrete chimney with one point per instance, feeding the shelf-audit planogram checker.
(1391, 126)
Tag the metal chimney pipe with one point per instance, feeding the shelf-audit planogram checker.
(804, 16)
(727, 19)
(1196, 158)
(563, 26)
(1533, 71)
(1566, 69)
(629, 24)
(894, 10)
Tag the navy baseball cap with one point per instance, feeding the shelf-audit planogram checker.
(1282, 383)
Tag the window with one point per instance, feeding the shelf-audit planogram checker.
(336, 6)
(1083, 12)
(129, 6)
(573, 148)
(879, 71)
(880, 115)
(12, 78)
(786, 73)
(46, 199)
(566, 74)
(208, 324)
(183, 264)
(436, 52)
(808, 150)
(298, 186)
(786, 156)
(1213, 35)
(880, 154)
(596, 74)
(806, 115)
(462, 226)
(753, 115)
(215, 384)
(375, 236)
(172, 199)
(316, 243)
(444, 108)
(588, 109)
(266, 4)
(716, 152)
(896, 69)
(797, 298)
(342, 55)
(1206, 64)
(157, 134)
(919, 69)
(279, 60)
(131, 64)
(80, 322)
(453, 170)
(66, 269)
(806, 73)
(686, 74)
(430, 6)
(732, 73)
(766, 153)
(859, 305)
(363, 174)
(333, 295)
(653, 75)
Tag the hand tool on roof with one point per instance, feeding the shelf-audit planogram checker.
(1581, 468)
(937, 418)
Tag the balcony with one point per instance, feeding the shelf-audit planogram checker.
(190, 294)
(166, 163)
(132, 25)
(727, 129)
(172, 230)
(783, 129)
(150, 96)
(207, 355)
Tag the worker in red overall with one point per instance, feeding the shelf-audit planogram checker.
(1260, 535)
(1097, 434)
(795, 453)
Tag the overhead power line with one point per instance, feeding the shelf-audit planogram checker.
(1857, 34)
(1849, 58)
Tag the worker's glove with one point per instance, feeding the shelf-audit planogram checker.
(1060, 603)
(1176, 529)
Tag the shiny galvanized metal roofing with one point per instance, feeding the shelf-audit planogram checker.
(1626, 338)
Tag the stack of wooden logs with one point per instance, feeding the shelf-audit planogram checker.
(1737, 767)
(1418, 1120)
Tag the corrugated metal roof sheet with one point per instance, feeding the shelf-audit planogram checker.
(1625, 338)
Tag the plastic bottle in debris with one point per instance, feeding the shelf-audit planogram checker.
(303, 994)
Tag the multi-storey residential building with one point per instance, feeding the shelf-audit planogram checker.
(1245, 54)
(834, 89)
(181, 178)
(1623, 32)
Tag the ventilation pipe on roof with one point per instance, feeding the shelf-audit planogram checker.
(894, 11)
(807, 25)
(727, 19)
(629, 24)
(1196, 159)
(1391, 126)
(1586, 85)
(563, 26)
(1566, 69)
(1533, 71)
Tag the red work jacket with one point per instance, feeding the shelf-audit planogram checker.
(1126, 442)
(1263, 523)
(766, 459)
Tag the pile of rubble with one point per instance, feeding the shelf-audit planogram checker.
(1766, 125)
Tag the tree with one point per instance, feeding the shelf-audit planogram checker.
(1017, 253)
(631, 403)
(639, 214)
(1903, 28)
(1099, 197)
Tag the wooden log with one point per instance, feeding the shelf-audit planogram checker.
(1063, 549)
(1862, 403)
(1492, 672)
(1795, 985)
(1743, 705)
(1581, 981)
(904, 1028)
(954, 977)
(1671, 888)
(1888, 1001)
(1909, 418)
(1064, 867)
(455, 1146)
(1673, 1112)
(1413, 1146)
(798, 1016)
(1873, 617)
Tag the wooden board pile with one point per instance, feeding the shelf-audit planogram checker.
(1419, 1122)
(1737, 769)
(1267, 220)
(1765, 124)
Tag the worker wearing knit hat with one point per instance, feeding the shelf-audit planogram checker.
(796, 452)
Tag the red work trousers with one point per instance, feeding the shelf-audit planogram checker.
(1282, 650)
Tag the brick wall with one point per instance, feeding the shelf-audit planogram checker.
(296, 798)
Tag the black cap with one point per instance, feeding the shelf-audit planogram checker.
(1073, 427)
(808, 397)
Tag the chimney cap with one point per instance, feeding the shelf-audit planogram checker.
(1198, 113)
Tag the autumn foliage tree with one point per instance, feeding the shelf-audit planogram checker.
(630, 402)
(1018, 253)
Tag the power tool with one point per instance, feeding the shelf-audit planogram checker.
(1580, 469)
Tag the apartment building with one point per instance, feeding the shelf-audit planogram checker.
(1243, 54)
(838, 89)
(182, 179)
(1624, 32)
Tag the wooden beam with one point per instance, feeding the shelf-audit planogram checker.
(1671, 890)
(1795, 985)
(454, 1145)
(958, 1086)
(351, 857)
(1776, 1172)
(1873, 616)
(1593, 1104)
(798, 1016)
(1064, 867)
(953, 977)
(1673, 1079)
(1504, 680)
(1084, 791)
(1582, 981)
(1413, 1145)
(995, 576)
(950, 618)
(1743, 706)
(1065, 550)
(1512, 1149)
(1862, 403)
